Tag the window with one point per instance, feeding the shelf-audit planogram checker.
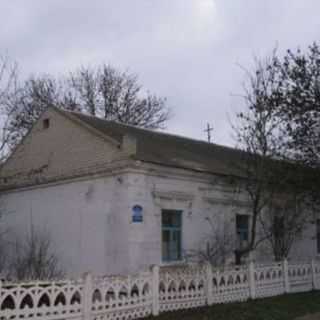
(171, 235)
(46, 123)
(318, 236)
(137, 214)
(278, 227)
(242, 228)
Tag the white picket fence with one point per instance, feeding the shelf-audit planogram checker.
(158, 290)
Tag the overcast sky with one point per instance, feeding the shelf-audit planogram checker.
(185, 50)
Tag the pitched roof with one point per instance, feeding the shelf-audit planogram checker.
(169, 150)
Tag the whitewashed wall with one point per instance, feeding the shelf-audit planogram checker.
(199, 201)
(82, 218)
(91, 225)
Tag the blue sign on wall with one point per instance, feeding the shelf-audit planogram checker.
(137, 215)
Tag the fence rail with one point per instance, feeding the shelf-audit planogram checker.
(158, 290)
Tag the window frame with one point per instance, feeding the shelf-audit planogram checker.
(238, 234)
(172, 229)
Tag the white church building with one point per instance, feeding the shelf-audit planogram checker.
(117, 199)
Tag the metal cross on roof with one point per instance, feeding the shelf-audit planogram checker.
(208, 130)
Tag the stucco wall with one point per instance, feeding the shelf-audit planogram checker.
(91, 224)
(82, 219)
(200, 202)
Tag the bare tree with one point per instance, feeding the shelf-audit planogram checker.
(104, 92)
(285, 220)
(299, 71)
(8, 85)
(34, 258)
(86, 83)
(123, 100)
(216, 247)
(8, 81)
(255, 133)
(24, 105)
(266, 163)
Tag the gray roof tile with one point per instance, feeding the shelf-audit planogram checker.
(170, 150)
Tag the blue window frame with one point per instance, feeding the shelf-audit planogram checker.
(137, 215)
(171, 235)
(242, 226)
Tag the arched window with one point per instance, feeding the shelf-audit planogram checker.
(137, 215)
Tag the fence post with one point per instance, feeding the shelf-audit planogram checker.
(87, 296)
(155, 290)
(286, 276)
(209, 288)
(313, 273)
(252, 282)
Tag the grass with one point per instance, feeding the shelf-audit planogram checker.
(285, 307)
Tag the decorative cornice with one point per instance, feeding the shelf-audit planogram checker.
(173, 195)
(227, 202)
(85, 174)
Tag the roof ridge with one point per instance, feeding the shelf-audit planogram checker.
(153, 131)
